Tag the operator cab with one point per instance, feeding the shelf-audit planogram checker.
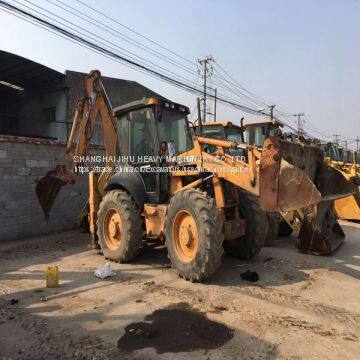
(256, 132)
(224, 130)
(149, 131)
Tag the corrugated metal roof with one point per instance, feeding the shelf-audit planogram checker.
(23, 72)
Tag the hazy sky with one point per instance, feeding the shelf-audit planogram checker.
(301, 55)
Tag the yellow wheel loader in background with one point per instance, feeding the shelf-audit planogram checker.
(159, 182)
(317, 228)
(345, 161)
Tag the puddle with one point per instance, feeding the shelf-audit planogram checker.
(176, 328)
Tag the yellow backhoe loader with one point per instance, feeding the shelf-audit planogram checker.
(159, 182)
(320, 232)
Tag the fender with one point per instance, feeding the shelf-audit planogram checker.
(132, 182)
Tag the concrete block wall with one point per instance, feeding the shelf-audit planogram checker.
(22, 162)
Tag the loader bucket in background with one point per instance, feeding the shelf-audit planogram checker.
(294, 176)
(320, 233)
(48, 187)
(348, 208)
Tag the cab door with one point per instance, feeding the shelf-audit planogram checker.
(141, 148)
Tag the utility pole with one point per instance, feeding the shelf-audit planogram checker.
(215, 98)
(271, 108)
(206, 65)
(357, 143)
(345, 143)
(199, 116)
(336, 138)
(300, 124)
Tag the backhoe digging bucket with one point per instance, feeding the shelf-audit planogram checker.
(48, 187)
(320, 232)
(295, 176)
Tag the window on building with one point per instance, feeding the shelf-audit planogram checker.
(49, 114)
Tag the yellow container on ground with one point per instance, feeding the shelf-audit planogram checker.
(52, 276)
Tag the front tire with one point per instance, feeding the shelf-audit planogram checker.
(119, 226)
(257, 225)
(194, 235)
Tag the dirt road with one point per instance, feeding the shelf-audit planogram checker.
(303, 307)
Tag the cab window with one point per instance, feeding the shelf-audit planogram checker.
(174, 131)
(141, 140)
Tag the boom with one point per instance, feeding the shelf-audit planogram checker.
(94, 103)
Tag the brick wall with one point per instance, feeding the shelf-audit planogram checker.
(22, 162)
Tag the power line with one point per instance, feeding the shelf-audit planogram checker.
(120, 35)
(114, 46)
(135, 32)
(102, 43)
(262, 101)
(221, 85)
(250, 102)
(82, 41)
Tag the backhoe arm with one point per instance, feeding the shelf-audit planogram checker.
(94, 103)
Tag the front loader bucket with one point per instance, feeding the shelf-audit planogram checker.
(320, 232)
(294, 176)
(48, 187)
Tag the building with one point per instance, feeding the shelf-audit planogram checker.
(36, 101)
(37, 106)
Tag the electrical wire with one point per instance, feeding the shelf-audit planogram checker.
(124, 37)
(119, 35)
(135, 32)
(132, 55)
(121, 58)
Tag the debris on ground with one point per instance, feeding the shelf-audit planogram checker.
(14, 301)
(272, 263)
(251, 276)
(104, 272)
(149, 283)
(220, 308)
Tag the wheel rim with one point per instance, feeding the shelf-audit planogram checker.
(185, 236)
(112, 229)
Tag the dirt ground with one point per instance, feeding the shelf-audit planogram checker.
(302, 307)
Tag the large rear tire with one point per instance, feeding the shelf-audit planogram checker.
(257, 225)
(119, 227)
(194, 235)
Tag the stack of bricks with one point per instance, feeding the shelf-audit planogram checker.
(22, 162)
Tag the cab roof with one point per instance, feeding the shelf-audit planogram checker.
(220, 123)
(146, 102)
(264, 122)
